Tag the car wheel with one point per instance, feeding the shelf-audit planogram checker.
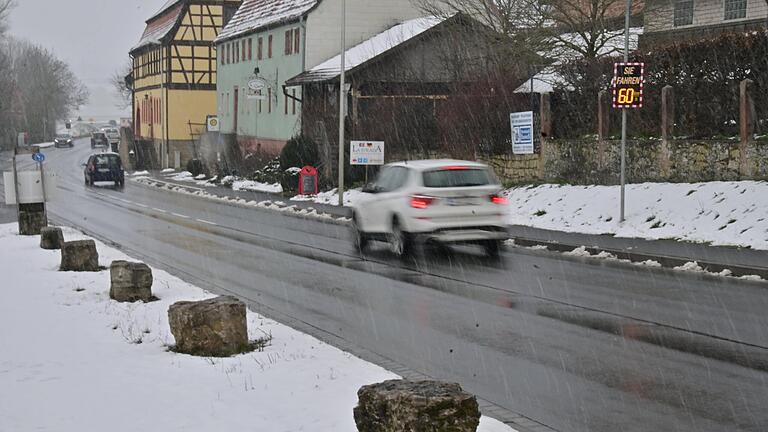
(361, 239)
(399, 241)
(492, 248)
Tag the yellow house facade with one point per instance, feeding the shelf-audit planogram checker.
(174, 77)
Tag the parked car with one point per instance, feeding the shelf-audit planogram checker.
(104, 167)
(113, 135)
(447, 201)
(99, 139)
(63, 140)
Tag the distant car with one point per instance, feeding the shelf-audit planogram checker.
(112, 134)
(99, 139)
(104, 167)
(447, 201)
(63, 140)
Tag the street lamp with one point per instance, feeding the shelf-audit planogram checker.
(342, 99)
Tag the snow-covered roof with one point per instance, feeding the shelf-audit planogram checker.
(165, 6)
(255, 14)
(159, 25)
(368, 49)
(547, 79)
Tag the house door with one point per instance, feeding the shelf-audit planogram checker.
(234, 121)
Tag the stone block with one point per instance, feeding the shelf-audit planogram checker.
(32, 218)
(51, 238)
(216, 327)
(416, 406)
(80, 255)
(130, 281)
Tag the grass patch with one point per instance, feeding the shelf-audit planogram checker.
(658, 224)
(258, 344)
(540, 213)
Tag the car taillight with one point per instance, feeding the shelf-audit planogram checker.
(498, 199)
(421, 201)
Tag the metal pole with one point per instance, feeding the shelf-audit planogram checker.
(16, 186)
(45, 200)
(624, 116)
(342, 99)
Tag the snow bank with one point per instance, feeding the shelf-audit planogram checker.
(89, 360)
(723, 213)
(250, 185)
(351, 197)
(140, 174)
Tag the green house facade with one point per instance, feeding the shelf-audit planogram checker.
(268, 42)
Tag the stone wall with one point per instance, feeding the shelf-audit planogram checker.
(595, 162)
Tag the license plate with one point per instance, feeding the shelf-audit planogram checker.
(460, 201)
(103, 170)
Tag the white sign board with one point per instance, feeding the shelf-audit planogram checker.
(366, 153)
(257, 89)
(522, 132)
(30, 189)
(212, 123)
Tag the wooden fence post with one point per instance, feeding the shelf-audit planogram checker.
(746, 124)
(603, 125)
(667, 129)
(545, 110)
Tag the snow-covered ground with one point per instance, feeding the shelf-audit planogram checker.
(72, 359)
(723, 213)
(351, 197)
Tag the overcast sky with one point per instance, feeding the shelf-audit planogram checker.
(93, 36)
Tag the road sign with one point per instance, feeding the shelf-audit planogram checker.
(628, 85)
(522, 132)
(366, 153)
(38, 157)
(212, 123)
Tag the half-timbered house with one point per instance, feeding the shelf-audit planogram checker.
(174, 76)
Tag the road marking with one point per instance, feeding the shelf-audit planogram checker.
(181, 215)
(142, 205)
(207, 222)
(159, 210)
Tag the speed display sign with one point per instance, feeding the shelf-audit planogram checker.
(628, 85)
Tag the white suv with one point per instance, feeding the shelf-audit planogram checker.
(448, 201)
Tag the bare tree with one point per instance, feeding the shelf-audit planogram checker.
(5, 11)
(121, 87)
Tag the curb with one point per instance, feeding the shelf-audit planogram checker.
(665, 260)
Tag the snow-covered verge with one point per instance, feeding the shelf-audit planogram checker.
(93, 364)
(351, 197)
(721, 213)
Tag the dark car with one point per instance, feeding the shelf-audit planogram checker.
(104, 167)
(99, 139)
(63, 140)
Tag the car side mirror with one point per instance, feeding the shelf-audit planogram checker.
(370, 188)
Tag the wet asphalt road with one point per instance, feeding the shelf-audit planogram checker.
(578, 345)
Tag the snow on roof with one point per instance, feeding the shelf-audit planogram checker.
(368, 49)
(165, 6)
(255, 14)
(159, 26)
(547, 79)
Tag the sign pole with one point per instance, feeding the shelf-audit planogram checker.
(342, 99)
(42, 185)
(16, 187)
(624, 117)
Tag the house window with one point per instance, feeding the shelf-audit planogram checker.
(229, 53)
(288, 42)
(296, 41)
(269, 47)
(250, 49)
(237, 52)
(260, 49)
(244, 48)
(683, 12)
(735, 9)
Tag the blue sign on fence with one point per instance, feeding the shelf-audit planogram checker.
(38, 157)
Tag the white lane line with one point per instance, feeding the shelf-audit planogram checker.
(142, 205)
(159, 210)
(207, 222)
(181, 215)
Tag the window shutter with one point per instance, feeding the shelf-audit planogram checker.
(297, 40)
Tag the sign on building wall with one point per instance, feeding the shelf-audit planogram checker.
(257, 89)
(212, 123)
(628, 85)
(522, 132)
(366, 153)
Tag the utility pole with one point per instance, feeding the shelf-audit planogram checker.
(624, 116)
(342, 99)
